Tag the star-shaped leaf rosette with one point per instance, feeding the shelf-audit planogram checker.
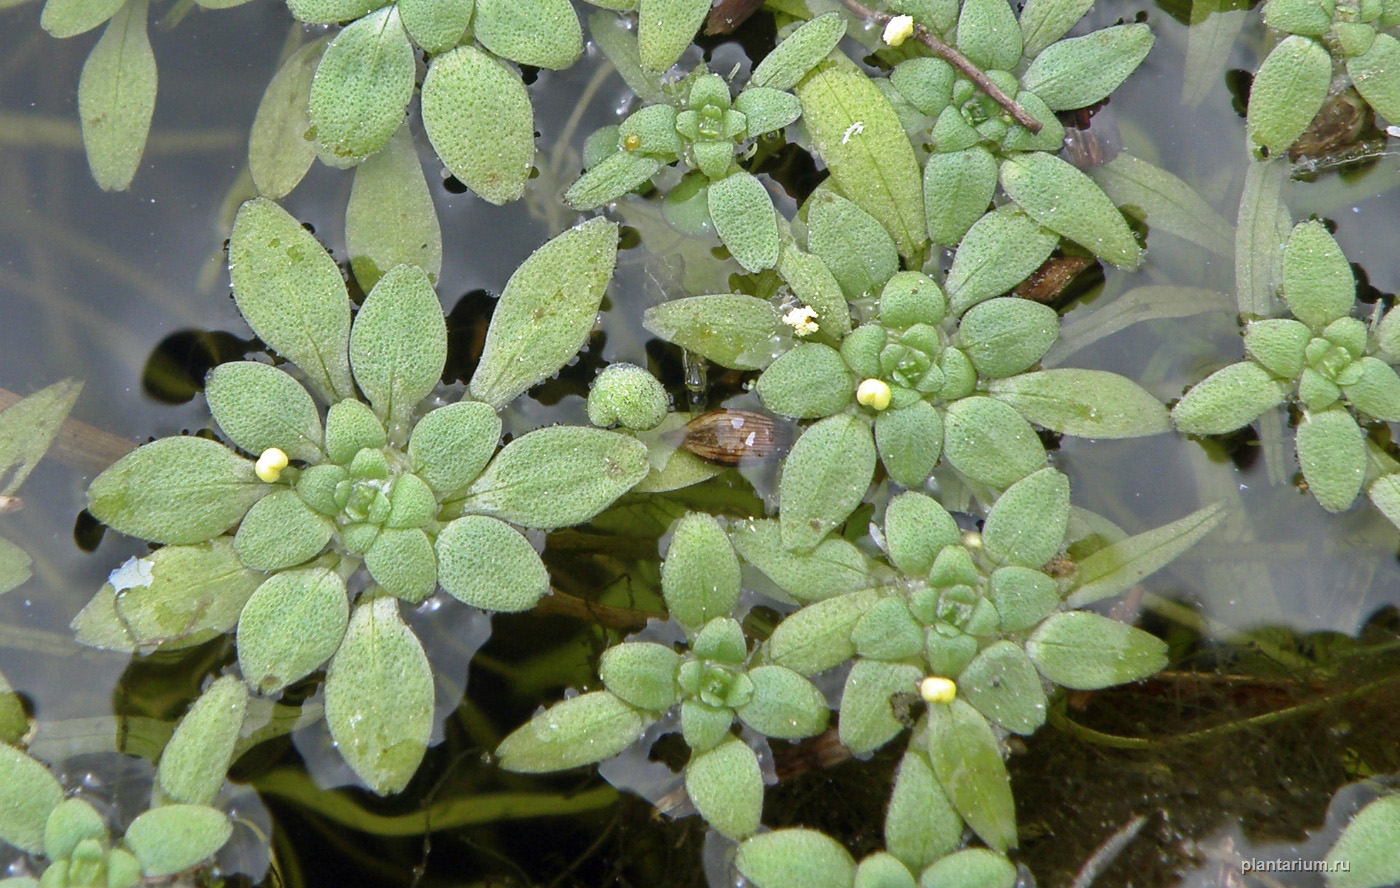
(269, 535)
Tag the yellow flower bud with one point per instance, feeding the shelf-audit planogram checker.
(874, 393)
(631, 142)
(936, 689)
(270, 464)
(899, 29)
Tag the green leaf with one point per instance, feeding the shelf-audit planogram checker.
(451, 445)
(967, 761)
(988, 34)
(69, 18)
(398, 345)
(1369, 847)
(1288, 90)
(859, 136)
(883, 870)
(1045, 21)
(404, 563)
(14, 723)
(910, 441)
(788, 858)
(330, 12)
(14, 570)
(665, 29)
(927, 84)
(1377, 393)
(542, 33)
(813, 284)
(920, 824)
(1085, 651)
(1332, 453)
(1308, 17)
(258, 407)
(1164, 202)
(379, 696)
(1279, 345)
(290, 292)
(546, 311)
(868, 719)
(361, 88)
(998, 252)
(117, 96)
(1262, 229)
(1080, 71)
(1376, 74)
(989, 442)
(1228, 399)
(193, 763)
(279, 153)
(487, 564)
(671, 467)
(28, 793)
(71, 823)
(610, 179)
(291, 626)
(1001, 682)
(745, 220)
(888, 631)
(479, 119)
(818, 636)
(853, 244)
(731, 329)
(351, 426)
(809, 381)
(627, 395)
(833, 567)
(916, 530)
(1317, 281)
(700, 576)
(727, 788)
(767, 110)
(172, 838)
(281, 531)
(1067, 201)
(1027, 524)
(958, 188)
(390, 219)
(437, 25)
(557, 477)
(1086, 403)
(27, 429)
(577, 731)
(617, 40)
(971, 868)
(642, 673)
(1118, 567)
(1022, 596)
(799, 52)
(176, 490)
(1006, 336)
(824, 478)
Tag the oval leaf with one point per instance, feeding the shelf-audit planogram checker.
(1027, 524)
(398, 345)
(989, 442)
(1085, 651)
(258, 407)
(542, 33)
(745, 220)
(117, 96)
(731, 329)
(390, 219)
(791, 857)
(172, 838)
(290, 627)
(1078, 72)
(479, 118)
(193, 763)
(279, 154)
(967, 761)
(1087, 403)
(361, 88)
(1068, 202)
(824, 479)
(1288, 89)
(488, 564)
(727, 788)
(577, 731)
(1332, 453)
(28, 793)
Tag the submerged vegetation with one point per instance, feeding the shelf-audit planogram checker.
(888, 562)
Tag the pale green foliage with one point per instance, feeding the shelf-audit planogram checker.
(967, 762)
(627, 395)
(117, 96)
(543, 33)
(290, 627)
(665, 28)
(700, 577)
(27, 429)
(361, 87)
(390, 219)
(1370, 846)
(792, 857)
(731, 329)
(824, 479)
(27, 794)
(578, 731)
(194, 761)
(488, 564)
(726, 787)
(172, 838)
(399, 343)
(799, 53)
(279, 154)
(1085, 651)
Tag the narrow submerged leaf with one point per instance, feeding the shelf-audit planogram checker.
(859, 136)
(1085, 651)
(577, 731)
(28, 793)
(967, 760)
(733, 330)
(290, 292)
(1066, 201)
(558, 476)
(435, 25)
(665, 29)
(193, 763)
(290, 627)
(379, 696)
(824, 479)
(618, 42)
(542, 33)
(1148, 303)
(117, 96)
(361, 88)
(745, 220)
(172, 838)
(1086, 403)
(390, 218)
(546, 311)
(1164, 202)
(69, 18)
(398, 345)
(279, 153)
(1261, 229)
(1210, 39)
(1124, 564)
(478, 116)
(27, 429)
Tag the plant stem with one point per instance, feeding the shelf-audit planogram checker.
(958, 61)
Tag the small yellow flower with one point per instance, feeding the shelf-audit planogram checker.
(899, 29)
(270, 464)
(873, 393)
(936, 689)
(631, 142)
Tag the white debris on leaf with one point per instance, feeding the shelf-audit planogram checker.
(854, 129)
(802, 319)
(898, 29)
(133, 573)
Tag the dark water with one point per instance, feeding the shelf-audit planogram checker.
(93, 285)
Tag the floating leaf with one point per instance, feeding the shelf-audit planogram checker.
(727, 788)
(398, 344)
(1067, 201)
(281, 531)
(437, 25)
(971, 868)
(1080, 71)
(958, 188)
(1164, 202)
(642, 673)
(117, 96)
(1377, 392)
(379, 696)
(920, 824)
(1001, 682)
(868, 719)
(852, 243)
(404, 563)
(1367, 853)
(989, 442)
(859, 136)
(556, 477)
(824, 478)
(176, 490)
(988, 34)
(546, 311)
(791, 857)
(700, 576)
(1086, 403)
(1045, 21)
(69, 18)
(1375, 73)
(618, 42)
(610, 179)
(279, 154)
(479, 119)
(290, 627)
(290, 292)
(1228, 399)
(172, 838)
(1085, 651)
(28, 793)
(390, 219)
(818, 636)
(451, 445)
(998, 252)
(916, 530)
(731, 329)
(27, 429)
(665, 29)
(258, 407)
(1118, 567)
(1317, 281)
(577, 731)
(1003, 337)
(361, 88)
(1332, 454)
(542, 33)
(199, 752)
(910, 441)
(330, 12)
(833, 567)
(1027, 524)
(1287, 92)
(745, 220)
(967, 761)
(809, 381)
(799, 52)
(487, 564)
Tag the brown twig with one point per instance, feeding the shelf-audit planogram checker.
(958, 61)
(564, 604)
